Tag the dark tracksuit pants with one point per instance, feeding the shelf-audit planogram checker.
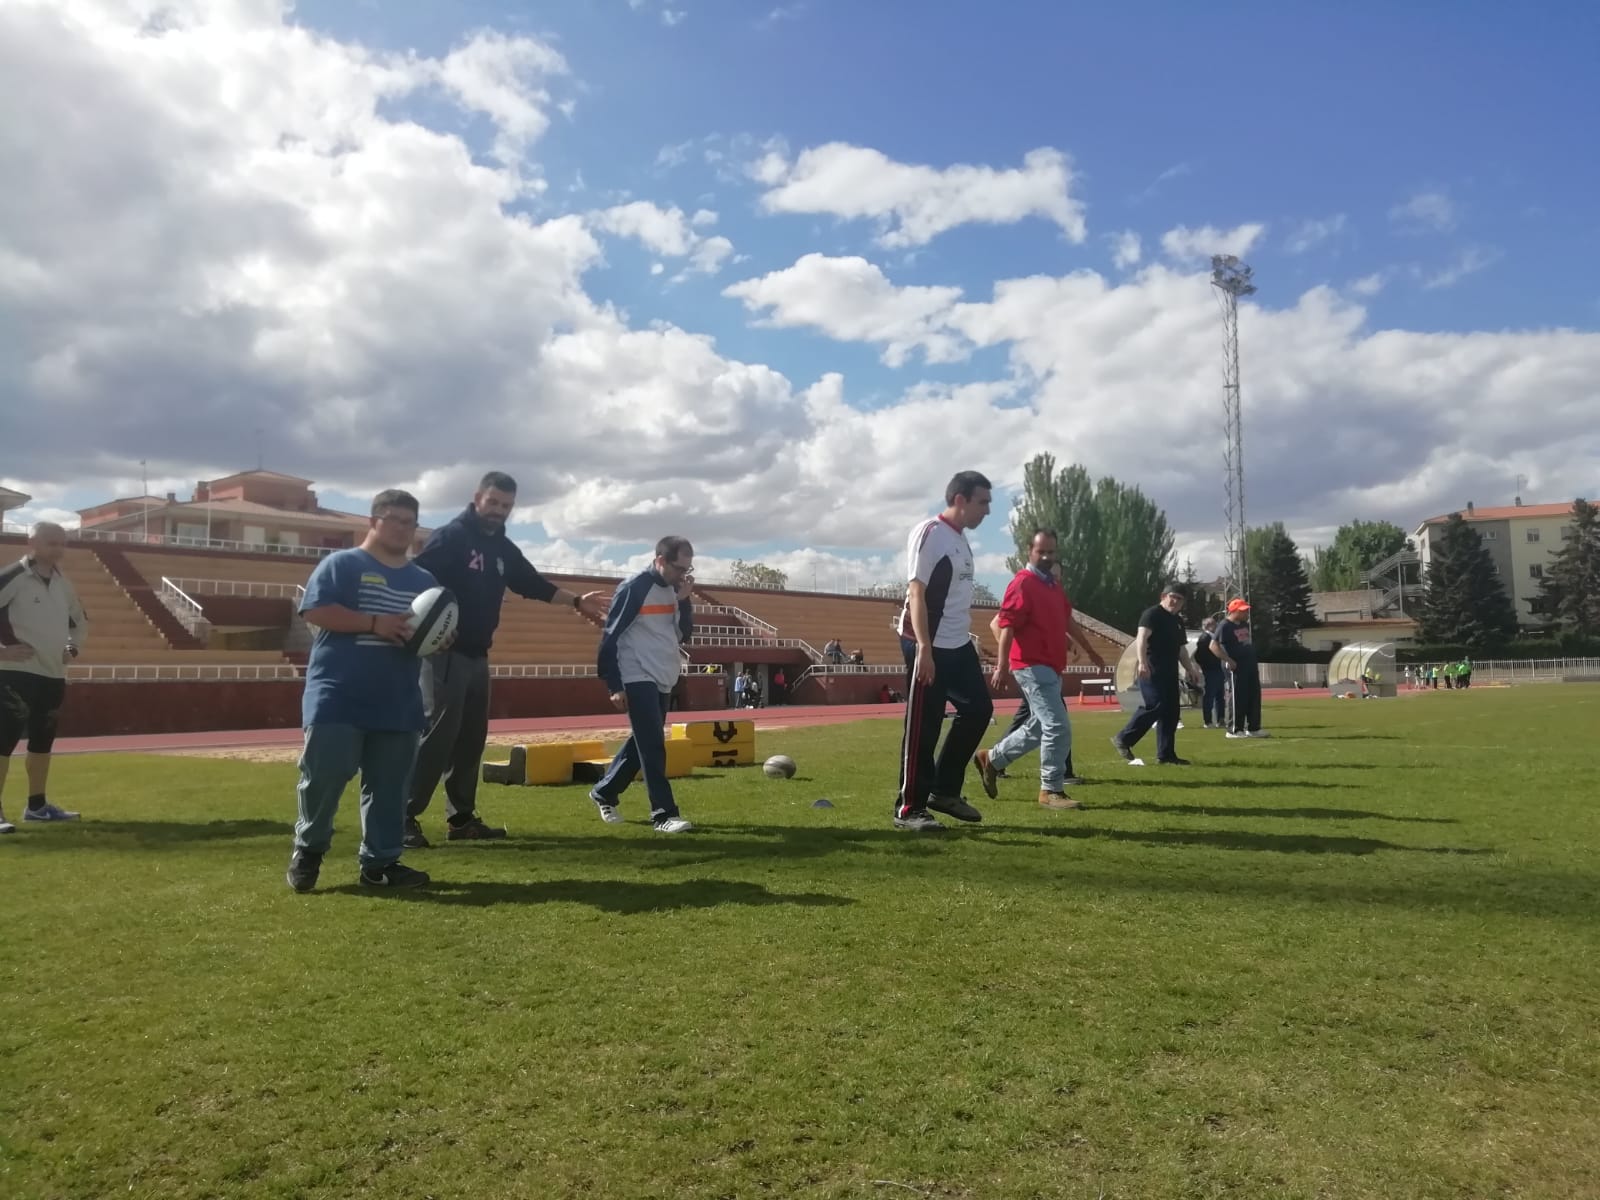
(1159, 699)
(455, 696)
(1213, 701)
(1246, 697)
(957, 679)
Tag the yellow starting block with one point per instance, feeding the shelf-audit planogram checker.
(680, 763)
(544, 763)
(717, 743)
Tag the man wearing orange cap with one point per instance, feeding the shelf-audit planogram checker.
(1232, 645)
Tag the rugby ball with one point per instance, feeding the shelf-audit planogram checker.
(434, 616)
(779, 766)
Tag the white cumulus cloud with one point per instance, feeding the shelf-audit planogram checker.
(667, 232)
(912, 204)
(850, 299)
(1184, 244)
(1126, 249)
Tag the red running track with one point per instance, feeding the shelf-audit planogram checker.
(765, 718)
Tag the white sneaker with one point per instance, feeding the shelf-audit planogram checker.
(5, 825)
(673, 825)
(608, 812)
(1232, 734)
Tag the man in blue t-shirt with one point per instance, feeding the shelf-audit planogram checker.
(362, 708)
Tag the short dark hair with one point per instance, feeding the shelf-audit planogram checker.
(671, 546)
(1174, 589)
(963, 484)
(499, 481)
(1041, 530)
(393, 498)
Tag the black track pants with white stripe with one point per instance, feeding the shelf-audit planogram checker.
(957, 680)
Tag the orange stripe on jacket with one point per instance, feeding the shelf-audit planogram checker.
(646, 610)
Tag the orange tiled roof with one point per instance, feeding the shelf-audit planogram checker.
(1506, 512)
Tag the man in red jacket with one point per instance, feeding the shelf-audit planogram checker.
(1032, 629)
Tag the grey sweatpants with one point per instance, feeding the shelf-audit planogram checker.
(455, 696)
(332, 756)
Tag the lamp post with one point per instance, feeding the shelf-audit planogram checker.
(1232, 279)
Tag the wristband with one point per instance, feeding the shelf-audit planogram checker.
(577, 601)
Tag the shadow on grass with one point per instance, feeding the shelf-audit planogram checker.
(1258, 765)
(156, 833)
(608, 895)
(1164, 777)
(1221, 839)
(1303, 814)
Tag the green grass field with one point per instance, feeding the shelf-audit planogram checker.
(1358, 960)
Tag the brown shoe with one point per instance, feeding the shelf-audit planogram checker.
(1057, 800)
(986, 774)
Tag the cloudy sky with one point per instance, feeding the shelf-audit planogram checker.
(768, 275)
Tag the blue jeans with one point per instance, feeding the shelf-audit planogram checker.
(646, 749)
(1047, 728)
(1212, 703)
(331, 757)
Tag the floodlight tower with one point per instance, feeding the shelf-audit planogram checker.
(1231, 278)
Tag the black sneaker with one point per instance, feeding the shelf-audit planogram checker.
(473, 830)
(414, 839)
(1127, 755)
(1174, 761)
(954, 806)
(304, 867)
(395, 875)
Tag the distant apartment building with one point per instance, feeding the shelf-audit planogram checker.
(1520, 539)
(252, 510)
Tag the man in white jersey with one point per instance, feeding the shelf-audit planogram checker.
(942, 664)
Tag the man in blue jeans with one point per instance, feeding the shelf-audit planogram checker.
(1032, 629)
(640, 661)
(362, 707)
(1161, 645)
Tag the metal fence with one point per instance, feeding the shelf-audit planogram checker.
(1520, 670)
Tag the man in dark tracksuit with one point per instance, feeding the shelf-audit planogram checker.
(1216, 679)
(1232, 645)
(473, 557)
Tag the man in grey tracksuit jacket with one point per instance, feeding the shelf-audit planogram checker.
(640, 661)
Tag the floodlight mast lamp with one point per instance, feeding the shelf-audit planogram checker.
(1231, 278)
